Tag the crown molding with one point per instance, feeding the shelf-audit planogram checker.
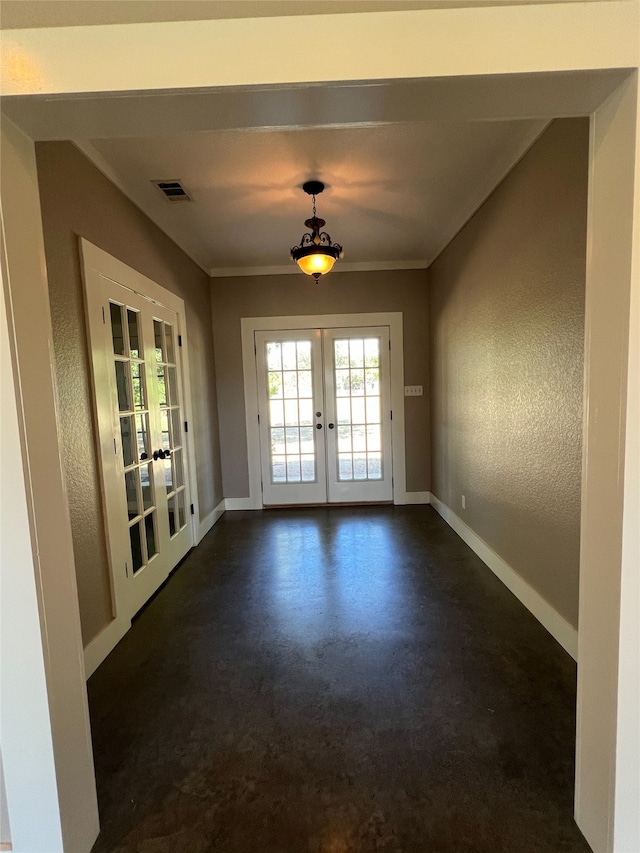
(292, 269)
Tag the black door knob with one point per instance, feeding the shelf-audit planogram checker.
(330, 426)
(318, 426)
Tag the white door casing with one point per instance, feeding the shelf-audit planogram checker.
(142, 441)
(354, 323)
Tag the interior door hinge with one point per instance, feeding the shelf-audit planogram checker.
(126, 569)
(389, 344)
(103, 319)
(193, 512)
(179, 340)
(391, 415)
(115, 447)
(186, 426)
(258, 418)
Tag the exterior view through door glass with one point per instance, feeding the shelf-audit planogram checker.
(148, 439)
(325, 429)
(291, 411)
(359, 414)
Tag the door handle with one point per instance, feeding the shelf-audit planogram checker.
(330, 426)
(161, 454)
(318, 426)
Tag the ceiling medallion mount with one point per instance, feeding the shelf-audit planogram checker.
(316, 254)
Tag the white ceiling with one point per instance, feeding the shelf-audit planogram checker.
(395, 194)
(398, 189)
(15, 14)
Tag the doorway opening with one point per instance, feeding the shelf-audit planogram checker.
(324, 409)
(324, 415)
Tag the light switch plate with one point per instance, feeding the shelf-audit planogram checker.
(413, 390)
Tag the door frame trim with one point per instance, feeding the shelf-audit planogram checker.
(250, 325)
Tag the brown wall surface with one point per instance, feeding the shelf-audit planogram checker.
(506, 330)
(77, 200)
(338, 293)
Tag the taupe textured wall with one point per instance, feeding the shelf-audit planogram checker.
(506, 330)
(289, 295)
(77, 200)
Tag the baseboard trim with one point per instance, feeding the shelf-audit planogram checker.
(239, 503)
(407, 498)
(548, 616)
(418, 497)
(208, 521)
(104, 643)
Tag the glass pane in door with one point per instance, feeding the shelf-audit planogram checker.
(358, 408)
(290, 389)
(131, 392)
(168, 392)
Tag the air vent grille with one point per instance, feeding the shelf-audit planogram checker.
(172, 190)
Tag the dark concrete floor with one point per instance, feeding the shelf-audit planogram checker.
(335, 681)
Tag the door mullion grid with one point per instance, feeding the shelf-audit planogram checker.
(177, 495)
(136, 466)
(377, 488)
(271, 368)
(330, 488)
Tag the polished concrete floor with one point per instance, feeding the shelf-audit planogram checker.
(335, 681)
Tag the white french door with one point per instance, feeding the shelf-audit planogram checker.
(358, 406)
(139, 407)
(291, 411)
(325, 415)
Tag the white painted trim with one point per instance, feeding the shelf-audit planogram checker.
(104, 643)
(292, 269)
(418, 497)
(110, 267)
(239, 503)
(208, 521)
(250, 325)
(375, 46)
(538, 606)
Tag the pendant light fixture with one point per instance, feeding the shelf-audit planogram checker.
(316, 254)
